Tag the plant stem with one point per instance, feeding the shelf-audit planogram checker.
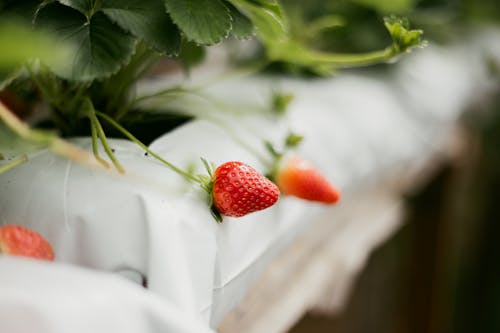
(95, 149)
(12, 164)
(146, 148)
(234, 136)
(196, 90)
(338, 60)
(13, 122)
(107, 148)
(49, 140)
(98, 131)
(247, 70)
(354, 60)
(161, 93)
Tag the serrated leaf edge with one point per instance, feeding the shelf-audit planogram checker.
(170, 54)
(211, 43)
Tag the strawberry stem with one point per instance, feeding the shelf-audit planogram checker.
(12, 164)
(143, 146)
(292, 141)
(98, 131)
(95, 144)
(273, 167)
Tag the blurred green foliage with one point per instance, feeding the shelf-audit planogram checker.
(358, 28)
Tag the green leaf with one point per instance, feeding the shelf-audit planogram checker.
(191, 54)
(20, 44)
(268, 19)
(86, 7)
(4, 78)
(102, 47)
(202, 21)
(147, 20)
(242, 26)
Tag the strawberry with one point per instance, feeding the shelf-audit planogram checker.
(237, 190)
(298, 177)
(20, 241)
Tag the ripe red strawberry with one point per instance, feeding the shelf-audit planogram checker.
(239, 190)
(20, 241)
(301, 179)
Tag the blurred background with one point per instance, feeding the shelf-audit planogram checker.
(440, 272)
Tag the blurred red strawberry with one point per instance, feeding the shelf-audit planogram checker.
(298, 177)
(20, 241)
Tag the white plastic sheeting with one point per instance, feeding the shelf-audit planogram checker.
(59, 298)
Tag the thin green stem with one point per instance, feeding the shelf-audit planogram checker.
(196, 90)
(220, 105)
(14, 163)
(104, 141)
(78, 96)
(40, 85)
(161, 93)
(325, 22)
(98, 131)
(95, 148)
(244, 71)
(234, 136)
(354, 60)
(146, 148)
(13, 122)
(49, 140)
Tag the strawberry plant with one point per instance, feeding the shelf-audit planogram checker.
(82, 60)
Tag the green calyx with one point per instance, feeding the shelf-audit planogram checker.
(207, 183)
(292, 141)
(404, 39)
(280, 102)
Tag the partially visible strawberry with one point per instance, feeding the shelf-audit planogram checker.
(300, 178)
(238, 189)
(20, 241)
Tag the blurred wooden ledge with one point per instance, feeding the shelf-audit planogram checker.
(317, 270)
